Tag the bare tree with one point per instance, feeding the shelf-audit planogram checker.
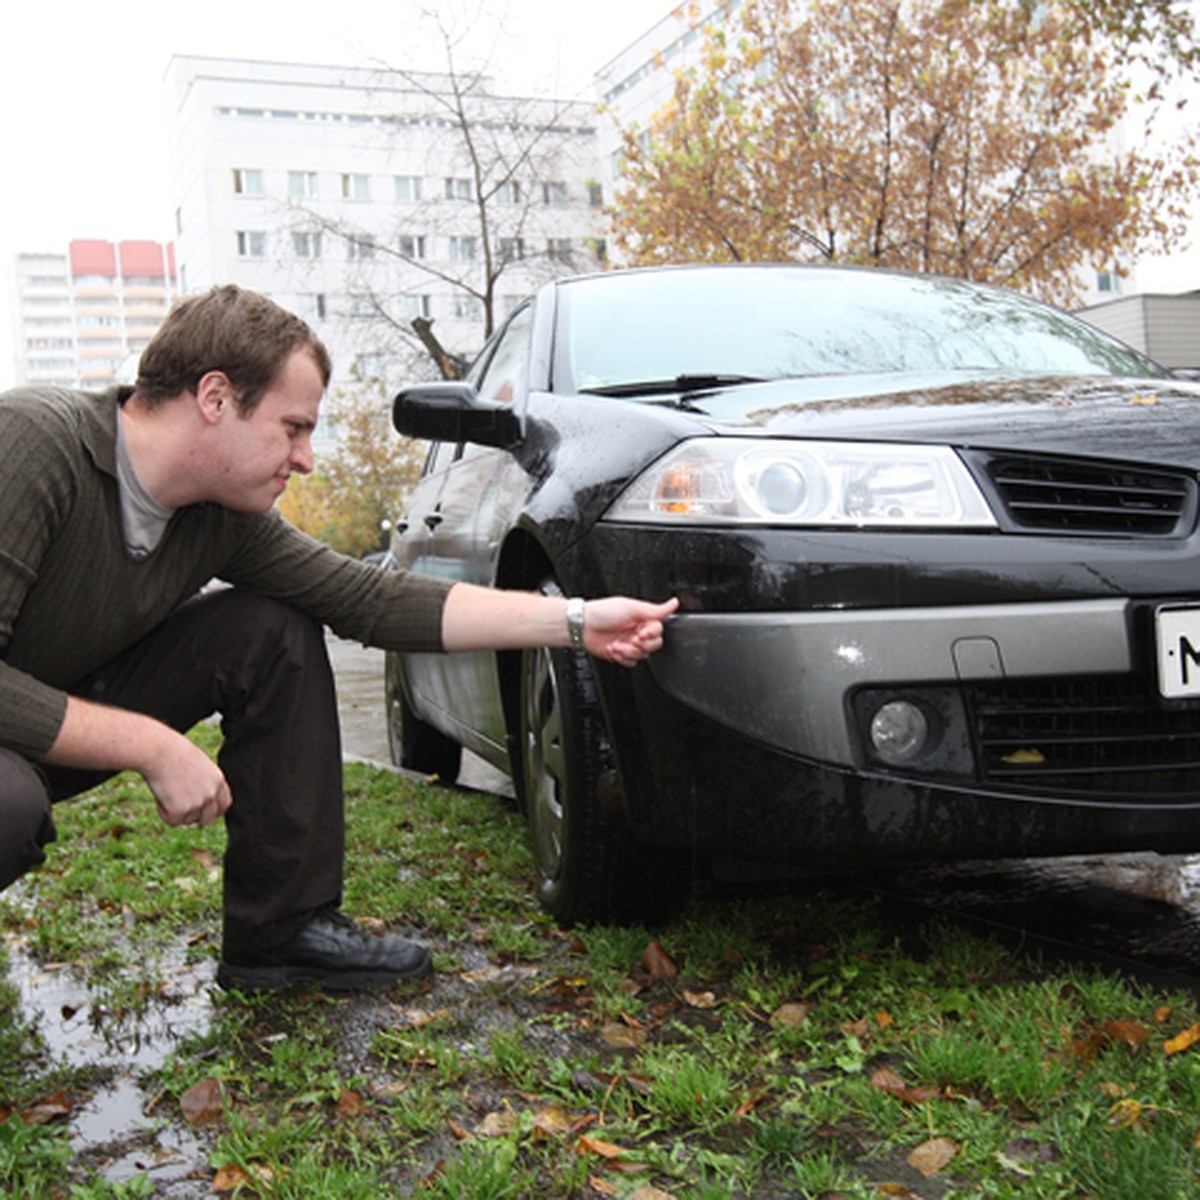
(494, 195)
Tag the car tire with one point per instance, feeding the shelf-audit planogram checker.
(414, 744)
(588, 866)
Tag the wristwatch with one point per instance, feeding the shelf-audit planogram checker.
(575, 622)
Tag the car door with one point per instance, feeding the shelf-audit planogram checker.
(467, 515)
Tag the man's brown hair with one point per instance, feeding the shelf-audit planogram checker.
(228, 329)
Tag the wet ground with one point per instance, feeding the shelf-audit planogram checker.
(1138, 913)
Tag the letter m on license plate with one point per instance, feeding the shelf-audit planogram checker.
(1177, 631)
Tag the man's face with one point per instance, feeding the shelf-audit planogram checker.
(259, 451)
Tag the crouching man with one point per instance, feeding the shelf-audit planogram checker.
(115, 509)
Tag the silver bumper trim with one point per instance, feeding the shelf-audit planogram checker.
(783, 678)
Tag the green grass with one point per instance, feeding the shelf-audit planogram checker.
(798, 1050)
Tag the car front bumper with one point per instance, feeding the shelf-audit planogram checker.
(786, 679)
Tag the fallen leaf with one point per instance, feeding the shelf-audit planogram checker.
(648, 1192)
(899, 1191)
(623, 1037)
(884, 1019)
(1024, 757)
(497, 1124)
(1182, 1041)
(231, 1177)
(890, 1082)
(415, 1018)
(790, 1016)
(1147, 398)
(933, 1156)
(593, 1145)
(658, 963)
(602, 1185)
(350, 1104)
(50, 1109)
(700, 999)
(554, 1120)
(203, 1101)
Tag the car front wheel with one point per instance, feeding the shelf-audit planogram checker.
(589, 868)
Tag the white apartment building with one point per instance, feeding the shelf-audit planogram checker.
(362, 199)
(81, 315)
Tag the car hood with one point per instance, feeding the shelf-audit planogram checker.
(1153, 420)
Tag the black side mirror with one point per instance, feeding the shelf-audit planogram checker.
(452, 411)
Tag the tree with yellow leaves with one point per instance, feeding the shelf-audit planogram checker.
(978, 138)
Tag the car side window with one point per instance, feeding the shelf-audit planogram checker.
(504, 378)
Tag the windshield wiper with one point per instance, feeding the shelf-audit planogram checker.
(684, 384)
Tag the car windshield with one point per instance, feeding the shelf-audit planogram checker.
(661, 328)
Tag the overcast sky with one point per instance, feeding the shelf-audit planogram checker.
(82, 105)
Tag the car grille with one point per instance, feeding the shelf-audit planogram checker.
(1102, 737)
(1079, 496)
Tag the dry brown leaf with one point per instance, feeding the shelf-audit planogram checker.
(594, 1145)
(554, 1120)
(884, 1019)
(602, 1185)
(701, 999)
(658, 963)
(790, 1016)
(1143, 398)
(623, 1037)
(231, 1177)
(350, 1104)
(649, 1192)
(459, 1132)
(49, 1109)
(890, 1082)
(415, 1018)
(933, 1156)
(203, 1101)
(497, 1124)
(898, 1191)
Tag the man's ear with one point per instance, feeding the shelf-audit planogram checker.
(214, 395)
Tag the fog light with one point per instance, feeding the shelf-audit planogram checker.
(899, 731)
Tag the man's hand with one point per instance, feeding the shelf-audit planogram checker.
(622, 630)
(189, 788)
(615, 627)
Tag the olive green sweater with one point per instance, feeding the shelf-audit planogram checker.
(72, 597)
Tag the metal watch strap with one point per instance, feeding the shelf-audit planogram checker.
(575, 622)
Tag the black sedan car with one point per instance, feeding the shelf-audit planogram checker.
(937, 552)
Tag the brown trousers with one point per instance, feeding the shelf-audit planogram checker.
(264, 667)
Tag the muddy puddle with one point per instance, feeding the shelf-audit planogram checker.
(118, 1129)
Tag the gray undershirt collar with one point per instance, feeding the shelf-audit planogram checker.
(143, 519)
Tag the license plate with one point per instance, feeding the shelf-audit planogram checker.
(1177, 633)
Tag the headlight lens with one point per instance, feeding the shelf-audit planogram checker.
(748, 481)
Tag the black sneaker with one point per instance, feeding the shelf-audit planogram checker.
(333, 952)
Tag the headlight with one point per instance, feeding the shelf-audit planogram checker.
(749, 481)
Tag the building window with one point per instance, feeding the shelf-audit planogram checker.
(460, 189)
(302, 185)
(252, 243)
(468, 307)
(368, 366)
(416, 306)
(510, 249)
(247, 181)
(595, 194)
(1108, 281)
(362, 304)
(463, 249)
(408, 188)
(509, 192)
(310, 306)
(554, 194)
(597, 249)
(560, 250)
(360, 248)
(306, 244)
(411, 246)
(356, 187)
